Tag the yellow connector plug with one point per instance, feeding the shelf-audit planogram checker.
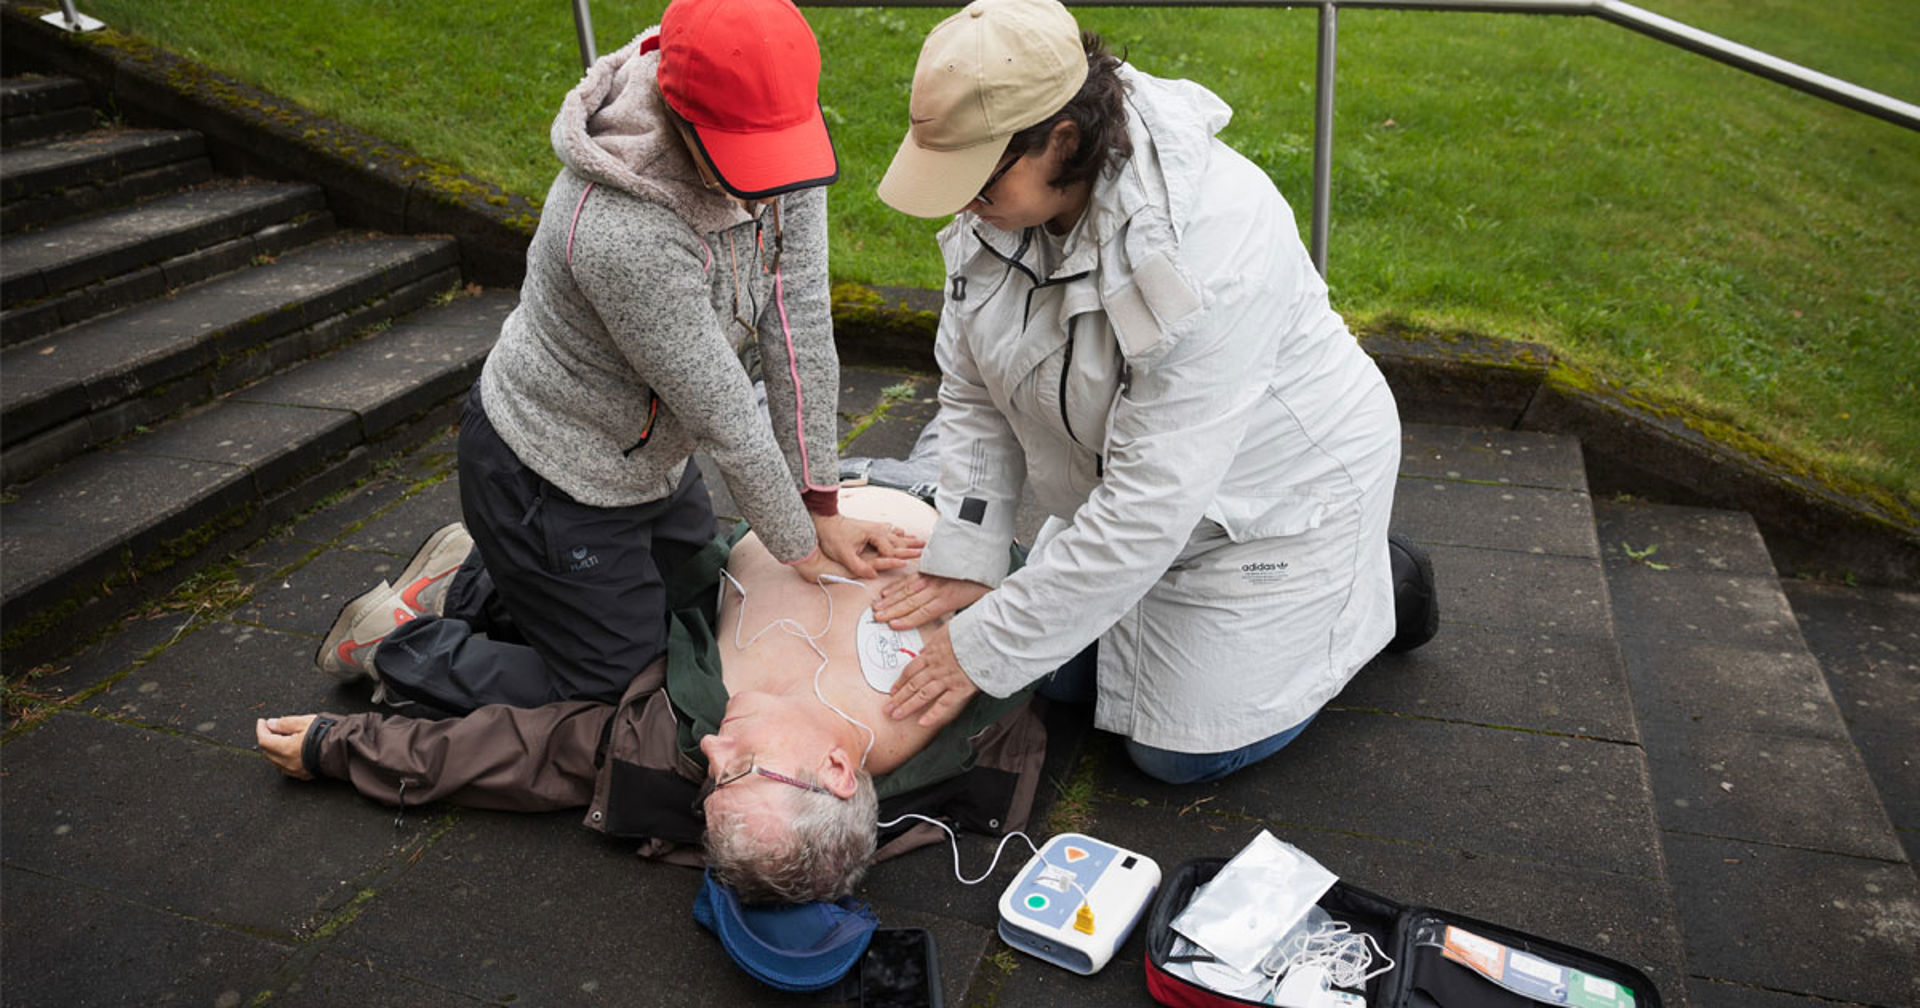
(1083, 921)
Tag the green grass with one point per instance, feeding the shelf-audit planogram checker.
(1700, 234)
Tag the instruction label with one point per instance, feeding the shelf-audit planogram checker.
(1531, 976)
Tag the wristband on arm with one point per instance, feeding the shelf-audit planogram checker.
(310, 746)
(824, 503)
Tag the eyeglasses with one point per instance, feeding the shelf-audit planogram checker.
(981, 197)
(753, 767)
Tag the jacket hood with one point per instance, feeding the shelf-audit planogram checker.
(1172, 124)
(613, 130)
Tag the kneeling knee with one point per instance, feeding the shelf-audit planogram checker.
(1181, 768)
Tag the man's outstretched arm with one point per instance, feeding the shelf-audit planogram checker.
(507, 758)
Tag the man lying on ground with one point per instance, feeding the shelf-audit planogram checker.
(770, 704)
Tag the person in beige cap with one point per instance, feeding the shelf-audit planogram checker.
(1133, 334)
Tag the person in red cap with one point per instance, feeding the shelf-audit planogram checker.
(684, 237)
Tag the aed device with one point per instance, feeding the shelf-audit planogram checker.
(1076, 901)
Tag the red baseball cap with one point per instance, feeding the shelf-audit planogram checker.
(745, 74)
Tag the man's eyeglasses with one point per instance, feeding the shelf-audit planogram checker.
(981, 197)
(753, 767)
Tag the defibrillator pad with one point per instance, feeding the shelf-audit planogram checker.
(884, 651)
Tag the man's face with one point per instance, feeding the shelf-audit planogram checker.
(778, 734)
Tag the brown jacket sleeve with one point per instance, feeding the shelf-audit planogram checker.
(512, 759)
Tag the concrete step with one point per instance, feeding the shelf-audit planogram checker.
(1783, 858)
(69, 272)
(81, 386)
(40, 108)
(35, 95)
(1868, 643)
(56, 179)
(92, 536)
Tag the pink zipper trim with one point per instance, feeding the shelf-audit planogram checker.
(799, 397)
(575, 226)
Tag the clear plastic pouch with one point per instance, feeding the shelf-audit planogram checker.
(1244, 911)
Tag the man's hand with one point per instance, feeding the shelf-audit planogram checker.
(280, 740)
(847, 543)
(933, 682)
(920, 600)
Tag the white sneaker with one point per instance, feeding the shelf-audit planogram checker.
(347, 653)
(423, 585)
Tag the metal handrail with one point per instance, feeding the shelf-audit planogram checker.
(69, 19)
(1646, 22)
(583, 27)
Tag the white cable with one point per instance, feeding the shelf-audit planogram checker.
(991, 865)
(956, 845)
(793, 628)
(1339, 950)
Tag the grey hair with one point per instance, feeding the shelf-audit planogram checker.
(820, 853)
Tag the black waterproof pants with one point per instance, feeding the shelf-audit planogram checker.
(558, 600)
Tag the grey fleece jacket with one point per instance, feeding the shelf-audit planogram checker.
(647, 299)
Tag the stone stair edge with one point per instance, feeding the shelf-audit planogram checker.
(388, 421)
(29, 322)
(35, 96)
(236, 209)
(95, 158)
(17, 216)
(427, 311)
(285, 319)
(43, 452)
(47, 125)
(1814, 523)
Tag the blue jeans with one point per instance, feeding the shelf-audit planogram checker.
(1074, 682)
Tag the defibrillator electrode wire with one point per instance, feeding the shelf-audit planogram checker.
(793, 628)
(1060, 871)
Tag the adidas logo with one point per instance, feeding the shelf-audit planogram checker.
(1264, 573)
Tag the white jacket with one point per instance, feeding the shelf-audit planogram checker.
(1216, 452)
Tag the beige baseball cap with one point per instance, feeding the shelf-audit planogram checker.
(986, 73)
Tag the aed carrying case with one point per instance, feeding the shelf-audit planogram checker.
(1423, 976)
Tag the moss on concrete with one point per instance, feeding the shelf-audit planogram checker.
(865, 316)
(1721, 437)
(1391, 334)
